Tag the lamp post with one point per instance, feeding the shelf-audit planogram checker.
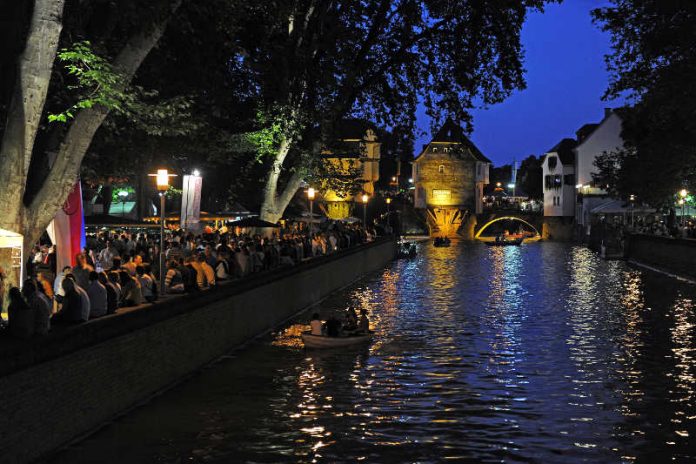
(310, 196)
(682, 201)
(162, 182)
(632, 199)
(365, 198)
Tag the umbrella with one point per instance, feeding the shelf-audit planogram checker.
(252, 222)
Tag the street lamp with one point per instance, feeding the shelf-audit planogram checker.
(365, 199)
(682, 201)
(310, 196)
(632, 198)
(162, 182)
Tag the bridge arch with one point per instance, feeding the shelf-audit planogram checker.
(503, 218)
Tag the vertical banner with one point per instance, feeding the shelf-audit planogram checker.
(191, 202)
(69, 229)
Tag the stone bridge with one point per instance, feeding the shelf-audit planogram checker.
(533, 221)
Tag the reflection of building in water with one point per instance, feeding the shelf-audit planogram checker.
(449, 176)
(353, 162)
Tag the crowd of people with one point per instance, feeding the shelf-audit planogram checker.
(121, 269)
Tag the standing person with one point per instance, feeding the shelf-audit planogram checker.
(112, 293)
(98, 297)
(39, 305)
(20, 317)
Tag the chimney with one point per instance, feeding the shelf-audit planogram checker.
(607, 112)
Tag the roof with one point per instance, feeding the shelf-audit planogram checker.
(585, 131)
(564, 150)
(451, 132)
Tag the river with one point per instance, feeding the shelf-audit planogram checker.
(542, 353)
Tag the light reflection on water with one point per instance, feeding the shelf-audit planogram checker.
(540, 353)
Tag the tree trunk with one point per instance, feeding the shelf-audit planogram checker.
(65, 170)
(26, 107)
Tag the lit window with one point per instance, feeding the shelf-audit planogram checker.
(441, 195)
(441, 169)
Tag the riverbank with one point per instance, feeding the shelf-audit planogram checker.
(56, 388)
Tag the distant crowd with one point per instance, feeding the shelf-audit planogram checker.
(120, 269)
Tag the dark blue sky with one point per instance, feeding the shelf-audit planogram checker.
(566, 78)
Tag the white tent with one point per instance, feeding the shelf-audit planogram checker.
(11, 252)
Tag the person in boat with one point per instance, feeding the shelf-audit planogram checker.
(316, 325)
(350, 321)
(364, 322)
(333, 327)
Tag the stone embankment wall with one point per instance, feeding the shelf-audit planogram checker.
(557, 228)
(54, 389)
(672, 255)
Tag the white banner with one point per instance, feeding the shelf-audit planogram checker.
(191, 202)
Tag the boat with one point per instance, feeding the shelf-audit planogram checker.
(515, 242)
(441, 242)
(322, 341)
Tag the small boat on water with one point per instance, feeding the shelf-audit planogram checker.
(441, 242)
(323, 341)
(515, 242)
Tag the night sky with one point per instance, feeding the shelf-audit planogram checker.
(566, 78)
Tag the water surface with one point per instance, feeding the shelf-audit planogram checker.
(542, 353)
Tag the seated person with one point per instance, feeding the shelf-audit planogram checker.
(364, 322)
(333, 327)
(316, 325)
(351, 320)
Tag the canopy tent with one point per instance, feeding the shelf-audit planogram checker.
(252, 222)
(621, 207)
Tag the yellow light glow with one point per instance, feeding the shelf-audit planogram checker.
(388, 200)
(681, 201)
(310, 193)
(365, 197)
(683, 193)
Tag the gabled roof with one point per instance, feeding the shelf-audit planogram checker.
(452, 133)
(564, 150)
(585, 131)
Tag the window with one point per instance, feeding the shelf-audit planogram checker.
(441, 169)
(553, 181)
(552, 162)
(441, 195)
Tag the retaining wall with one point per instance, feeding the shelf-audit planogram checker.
(56, 388)
(673, 255)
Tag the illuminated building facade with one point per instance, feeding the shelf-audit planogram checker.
(449, 176)
(355, 158)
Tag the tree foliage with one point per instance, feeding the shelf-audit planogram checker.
(653, 62)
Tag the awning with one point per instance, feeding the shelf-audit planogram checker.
(9, 239)
(621, 207)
